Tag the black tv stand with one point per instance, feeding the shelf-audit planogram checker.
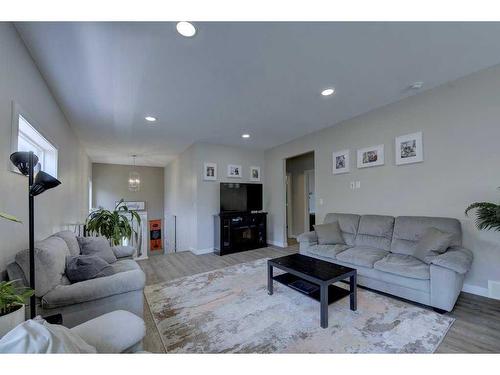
(239, 231)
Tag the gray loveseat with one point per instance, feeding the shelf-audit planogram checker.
(379, 247)
(81, 301)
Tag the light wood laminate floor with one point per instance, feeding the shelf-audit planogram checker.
(476, 329)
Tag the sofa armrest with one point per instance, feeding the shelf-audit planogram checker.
(15, 272)
(309, 238)
(114, 332)
(123, 251)
(89, 290)
(457, 259)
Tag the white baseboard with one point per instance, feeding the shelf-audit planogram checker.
(277, 243)
(474, 289)
(201, 251)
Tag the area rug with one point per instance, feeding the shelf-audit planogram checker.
(229, 311)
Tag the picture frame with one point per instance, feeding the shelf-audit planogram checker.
(370, 156)
(340, 161)
(209, 171)
(409, 149)
(254, 173)
(132, 205)
(234, 171)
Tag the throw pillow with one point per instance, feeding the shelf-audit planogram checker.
(86, 267)
(329, 234)
(97, 246)
(433, 242)
(50, 256)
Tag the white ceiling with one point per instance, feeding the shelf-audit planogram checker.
(259, 78)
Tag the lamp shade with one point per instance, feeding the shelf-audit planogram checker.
(21, 160)
(43, 181)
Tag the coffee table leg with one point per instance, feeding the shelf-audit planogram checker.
(324, 305)
(354, 292)
(269, 279)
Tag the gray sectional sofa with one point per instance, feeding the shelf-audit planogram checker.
(80, 301)
(379, 247)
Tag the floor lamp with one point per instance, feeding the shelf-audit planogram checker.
(26, 161)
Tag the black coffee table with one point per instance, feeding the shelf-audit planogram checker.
(313, 278)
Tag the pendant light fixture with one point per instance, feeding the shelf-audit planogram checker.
(134, 179)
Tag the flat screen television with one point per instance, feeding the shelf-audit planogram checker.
(237, 197)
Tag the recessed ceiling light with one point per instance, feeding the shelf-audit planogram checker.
(246, 136)
(186, 29)
(416, 85)
(150, 118)
(329, 91)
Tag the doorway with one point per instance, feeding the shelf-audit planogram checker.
(300, 195)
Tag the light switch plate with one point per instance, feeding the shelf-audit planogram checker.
(352, 185)
(358, 184)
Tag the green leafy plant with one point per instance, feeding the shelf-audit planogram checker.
(12, 296)
(487, 215)
(9, 217)
(114, 225)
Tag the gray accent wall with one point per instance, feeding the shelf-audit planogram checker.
(195, 201)
(20, 81)
(110, 184)
(460, 122)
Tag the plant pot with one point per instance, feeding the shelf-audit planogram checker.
(12, 319)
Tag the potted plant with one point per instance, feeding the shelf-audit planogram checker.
(12, 301)
(3, 215)
(115, 225)
(12, 298)
(487, 215)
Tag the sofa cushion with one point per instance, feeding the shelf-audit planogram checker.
(50, 263)
(348, 225)
(97, 246)
(404, 265)
(409, 229)
(433, 242)
(362, 255)
(86, 267)
(375, 231)
(329, 234)
(70, 238)
(125, 265)
(93, 289)
(327, 251)
(456, 259)
(122, 251)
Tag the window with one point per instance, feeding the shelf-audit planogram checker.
(29, 139)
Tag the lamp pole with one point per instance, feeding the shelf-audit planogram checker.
(25, 161)
(31, 233)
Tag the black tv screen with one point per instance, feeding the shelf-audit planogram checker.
(239, 197)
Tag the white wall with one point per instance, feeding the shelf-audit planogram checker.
(195, 201)
(20, 81)
(460, 122)
(180, 200)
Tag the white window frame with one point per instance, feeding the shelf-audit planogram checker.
(47, 150)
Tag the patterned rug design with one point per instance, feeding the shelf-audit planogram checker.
(229, 311)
